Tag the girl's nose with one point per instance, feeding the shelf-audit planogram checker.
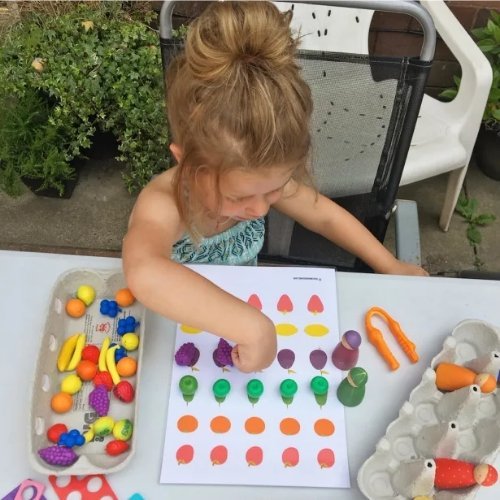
(258, 207)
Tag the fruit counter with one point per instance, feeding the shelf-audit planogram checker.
(83, 407)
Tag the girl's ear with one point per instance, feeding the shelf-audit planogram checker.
(176, 151)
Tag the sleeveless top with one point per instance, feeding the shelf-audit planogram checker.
(238, 246)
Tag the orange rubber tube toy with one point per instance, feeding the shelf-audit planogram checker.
(450, 377)
(377, 339)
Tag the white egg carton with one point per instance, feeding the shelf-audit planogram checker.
(463, 424)
(47, 379)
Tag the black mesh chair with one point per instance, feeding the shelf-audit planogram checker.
(365, 110)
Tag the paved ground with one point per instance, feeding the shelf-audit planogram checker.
(93, 221)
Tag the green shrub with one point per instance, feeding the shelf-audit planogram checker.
(488, 40)
(29, 145)
(92, 67)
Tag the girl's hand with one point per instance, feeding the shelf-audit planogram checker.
(405, 268)
(259, 351)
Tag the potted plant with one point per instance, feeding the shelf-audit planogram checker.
(89, 67)
(28, 147)
(487, 148)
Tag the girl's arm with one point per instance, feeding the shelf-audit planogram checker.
(321, 215)
(177, 292)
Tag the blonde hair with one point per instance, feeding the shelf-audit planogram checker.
(236, 97)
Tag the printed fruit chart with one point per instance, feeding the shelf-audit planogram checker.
(282, 426)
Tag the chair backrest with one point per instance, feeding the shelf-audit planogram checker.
(326, 27)
(365, 109)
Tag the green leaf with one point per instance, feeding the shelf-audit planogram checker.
(487, 44)
(473, 235)
(495, 16)
(484, 219)
(472, 202)
(479, 33)
(496, 32)
(449, 94)
(464, 211)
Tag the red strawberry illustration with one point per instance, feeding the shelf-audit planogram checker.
(254, 301)
(315, 305)
(285, 304)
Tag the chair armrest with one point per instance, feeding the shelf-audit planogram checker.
(476, 70)
(479, 275)
(407, 232)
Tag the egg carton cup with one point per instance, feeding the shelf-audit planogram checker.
(463, 424)
(93, 458)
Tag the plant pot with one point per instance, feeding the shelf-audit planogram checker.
(104, 146)
(487, 153)
(50, 192)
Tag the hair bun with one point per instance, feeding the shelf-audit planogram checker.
(231, 36)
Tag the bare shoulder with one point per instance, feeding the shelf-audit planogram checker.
(307, 206)
(157, 194)
(155, 208)
(296, 196)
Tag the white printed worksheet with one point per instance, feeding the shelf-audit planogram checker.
(283, 426)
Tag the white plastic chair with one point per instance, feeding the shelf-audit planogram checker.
(445, 132)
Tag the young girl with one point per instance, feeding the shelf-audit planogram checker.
(239, 115)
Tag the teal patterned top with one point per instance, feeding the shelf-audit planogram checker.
(237, 246)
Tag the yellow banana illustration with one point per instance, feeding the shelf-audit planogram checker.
(66, 352)
(189, 329)
(111, 365)
(286, 329)
(77, 353)
(316, 330)
(102, 354)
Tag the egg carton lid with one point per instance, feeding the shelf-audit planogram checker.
(46, 380)
(463, 424)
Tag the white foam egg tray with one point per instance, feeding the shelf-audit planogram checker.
(463, 424)
(93, 458)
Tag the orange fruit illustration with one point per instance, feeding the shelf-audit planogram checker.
(255, 425)
(324, 427)
(290, 426)
(220, 424)
(187, 423)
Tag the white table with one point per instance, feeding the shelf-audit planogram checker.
(427, 309)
